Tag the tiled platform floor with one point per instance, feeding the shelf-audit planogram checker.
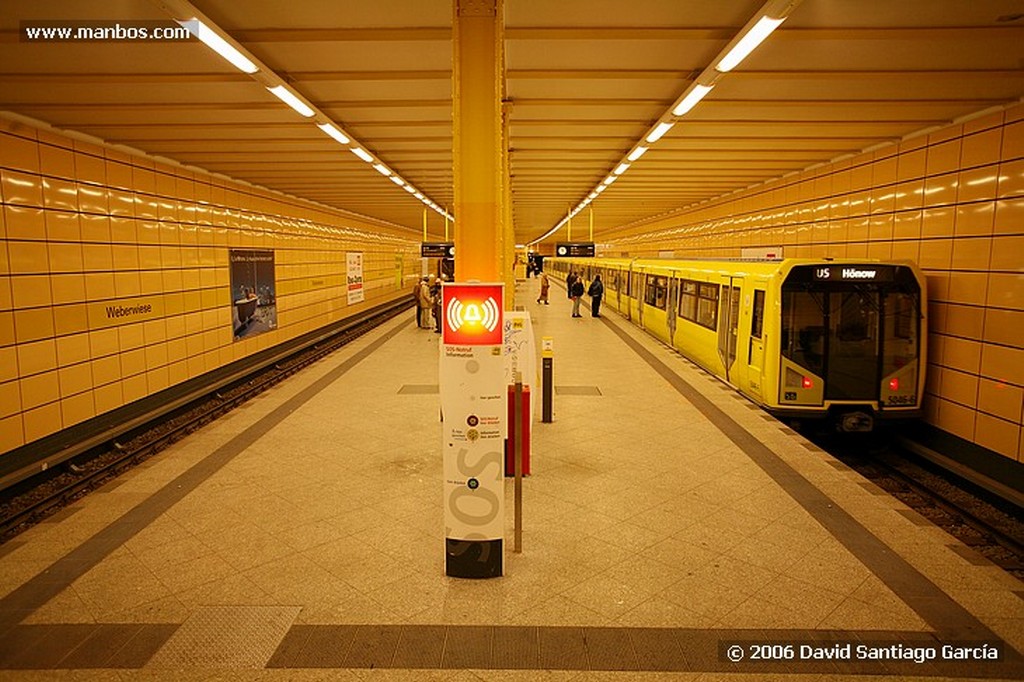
(300, 538)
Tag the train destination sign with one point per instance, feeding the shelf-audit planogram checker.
(853, 273)
(437, 249)
(574, 249)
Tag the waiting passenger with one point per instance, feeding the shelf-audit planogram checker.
(596, 291)
(569, 279)
(425, 302)
(545, 284)
(576, 293)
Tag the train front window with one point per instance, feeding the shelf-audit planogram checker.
(803, 329)
(900, 344)
(853, 343)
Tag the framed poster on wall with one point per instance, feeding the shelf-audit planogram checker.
(253, 293)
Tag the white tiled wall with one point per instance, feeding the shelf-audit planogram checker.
(953, 201)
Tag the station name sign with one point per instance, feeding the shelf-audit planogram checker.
(437, 249)
(853, 273)
(574, 249)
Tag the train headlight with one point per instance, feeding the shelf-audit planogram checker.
(894, 384)
(807, 382)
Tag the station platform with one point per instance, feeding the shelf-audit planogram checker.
(671, 531)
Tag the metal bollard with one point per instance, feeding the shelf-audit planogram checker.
(547, 372)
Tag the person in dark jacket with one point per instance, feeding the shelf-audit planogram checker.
(569, 279)
(596, 291)
(576, 293)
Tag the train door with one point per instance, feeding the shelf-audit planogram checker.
(728, 324)
(755, 349)
(630, 294)
(641, 296)
(671, 310)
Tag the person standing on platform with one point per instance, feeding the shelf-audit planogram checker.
(544, 286)
(576, 293)
(596, 291)
(569, 279)
(426, 303)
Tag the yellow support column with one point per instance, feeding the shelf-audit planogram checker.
(479, 172)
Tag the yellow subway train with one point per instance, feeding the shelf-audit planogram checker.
(843, 340)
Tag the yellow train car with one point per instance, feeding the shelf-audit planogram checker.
(844, 340)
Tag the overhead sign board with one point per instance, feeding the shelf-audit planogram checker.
(437, 249)
(574, 249)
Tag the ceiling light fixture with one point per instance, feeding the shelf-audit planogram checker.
(753, 33)
(695, 95)
(289, 98)
(754, 37)
(333, 132)
(659, 131)
(221, 42)
(636, 154)
(219, 45)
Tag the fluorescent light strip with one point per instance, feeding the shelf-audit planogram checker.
(695, 95)
(747, 43)
(219, 45)
(610, 179)
(333, 132)
(362, 154)
(216, 43)
(658, 132)
(286, 96)
(622, 168)
(636, 153)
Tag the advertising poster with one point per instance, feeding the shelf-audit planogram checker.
(253, 296)
(355, 277)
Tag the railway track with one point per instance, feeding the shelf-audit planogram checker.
(992, 527)
(32, 501)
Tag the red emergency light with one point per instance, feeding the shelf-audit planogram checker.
(472, 314)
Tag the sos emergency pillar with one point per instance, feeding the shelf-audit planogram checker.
(472, 383)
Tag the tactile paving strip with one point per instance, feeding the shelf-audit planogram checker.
(226, 637)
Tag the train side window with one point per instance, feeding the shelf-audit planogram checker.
(656, 293)
(688, 301)
(707, 306)
(757, 315)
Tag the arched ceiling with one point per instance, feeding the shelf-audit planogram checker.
(586, 78)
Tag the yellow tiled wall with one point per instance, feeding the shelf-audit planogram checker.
(953, 201)
(83, 226)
